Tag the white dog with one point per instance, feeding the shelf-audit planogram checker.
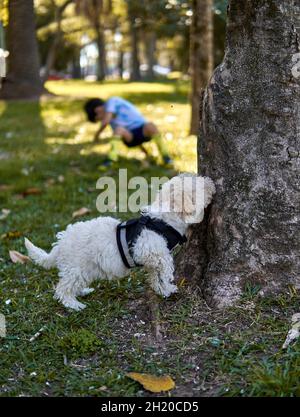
(104, 248)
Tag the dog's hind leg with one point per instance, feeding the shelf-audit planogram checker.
(69, 286)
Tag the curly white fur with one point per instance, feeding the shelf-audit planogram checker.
(87, 251)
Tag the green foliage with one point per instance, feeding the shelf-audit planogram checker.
(4, 12)
(278, 378)
(80, 343)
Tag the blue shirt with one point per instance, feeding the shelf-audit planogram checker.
(125, 114)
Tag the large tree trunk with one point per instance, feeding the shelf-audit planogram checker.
(249, 144)
(23, 79)
(201, 55)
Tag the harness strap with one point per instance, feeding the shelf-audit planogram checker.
(159, 226)
(123, 247)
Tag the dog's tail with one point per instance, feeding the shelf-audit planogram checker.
(40, 257)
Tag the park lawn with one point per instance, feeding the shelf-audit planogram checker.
(47, 146)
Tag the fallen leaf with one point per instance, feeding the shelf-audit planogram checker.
(4, 155)
(37, 334)
(18, 258)
(31, 191)
(4, 214)
(19, 196)
(11, 235)
(50, 182)
(76, 171)
(2, 326)
(294, 332)
(81, 212)
(182, 282)
(153, 383)
(5, 187)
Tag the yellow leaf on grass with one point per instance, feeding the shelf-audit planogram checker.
(18, 258)
(182, 282)
(81, 212)
(153, 383)
(11, 235)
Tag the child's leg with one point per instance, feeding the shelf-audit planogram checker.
(113, 153)
(150, 130)
(123, 134)
(119, 133)
(142, 147)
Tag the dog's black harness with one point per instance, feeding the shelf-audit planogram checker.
(128, 232)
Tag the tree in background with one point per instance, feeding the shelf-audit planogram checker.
(133, 7)
(150, 22)
(23, 78)
(98, 12)
(201, 55)
(54, 15)
(250, 146)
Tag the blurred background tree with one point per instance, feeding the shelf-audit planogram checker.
(110, 39)
(201, 55)
(23, 79)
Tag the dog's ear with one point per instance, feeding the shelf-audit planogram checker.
(187, 195)
(197, 195)
(209, 190)
(181, 194)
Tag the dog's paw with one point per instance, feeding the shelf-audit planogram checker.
(86, 291)
(169, 290)
(166, 290)
(77, 306)
(74, 305)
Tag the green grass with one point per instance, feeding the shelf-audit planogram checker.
(236, 352)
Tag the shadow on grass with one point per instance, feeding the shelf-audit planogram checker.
(18, 121)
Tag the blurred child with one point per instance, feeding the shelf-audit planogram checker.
(127, 123)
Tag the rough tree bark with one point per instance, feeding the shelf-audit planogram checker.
(23, 79)
(249, 144)
(201, 55)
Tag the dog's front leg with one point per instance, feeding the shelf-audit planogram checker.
(162, 276)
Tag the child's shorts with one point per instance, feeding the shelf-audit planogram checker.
(138, 137)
